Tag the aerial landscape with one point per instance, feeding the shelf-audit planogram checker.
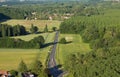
(59, 38)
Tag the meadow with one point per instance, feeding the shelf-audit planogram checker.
(30, 36)
(39, 23)
(10, 58)
(76, 45)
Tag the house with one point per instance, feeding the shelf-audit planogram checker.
(3, 73)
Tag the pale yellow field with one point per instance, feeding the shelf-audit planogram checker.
(39, 23)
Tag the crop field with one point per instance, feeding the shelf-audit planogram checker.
(10, 58)
(39, 23)
(77, 45)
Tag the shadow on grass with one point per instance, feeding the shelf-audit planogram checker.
(66, 42)
(49, 44)
(4, 18)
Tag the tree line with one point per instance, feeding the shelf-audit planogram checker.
(37, 42)
(8, 30)
(36, 69)
(6, 41)
(43, 11)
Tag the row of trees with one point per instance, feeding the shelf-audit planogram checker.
(102, 33)
(7, 30)
(17, 30)
(37, 42)
(36, 68)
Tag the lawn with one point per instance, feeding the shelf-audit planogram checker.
(77, 45)
(39, 23)
(10, 58)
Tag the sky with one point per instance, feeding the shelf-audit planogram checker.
(42, 0)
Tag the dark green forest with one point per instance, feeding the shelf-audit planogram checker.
(58, 11)
(102, 32)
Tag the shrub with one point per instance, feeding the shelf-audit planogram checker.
(63, 41)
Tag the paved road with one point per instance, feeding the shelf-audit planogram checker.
(52, 61)
(54, 69)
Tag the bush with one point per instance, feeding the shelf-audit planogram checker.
(33, 29)
(54, 28)
(14, 73)
(46, 28)
(63, 41)
(22, 67)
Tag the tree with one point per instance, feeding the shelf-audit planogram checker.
(54, 28)
(0, 30)
(33, 29)
(63, 41)
(9, 31)
(22, 30)
(37, 67)
(38, 41)
(22, 66)
(14, 73)
(3, 30)
(46, 28)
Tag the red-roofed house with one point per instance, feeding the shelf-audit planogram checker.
(3, 73)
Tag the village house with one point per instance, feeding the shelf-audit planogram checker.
(3, 73)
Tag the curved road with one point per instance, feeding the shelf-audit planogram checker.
(53, 68)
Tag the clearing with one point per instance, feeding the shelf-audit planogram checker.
(77, 45)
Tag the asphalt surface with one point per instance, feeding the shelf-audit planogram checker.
(52, 61)
(53, 67)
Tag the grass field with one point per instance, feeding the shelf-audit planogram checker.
(10, 58)
(39, 23)
(31, 36)
(77, 45)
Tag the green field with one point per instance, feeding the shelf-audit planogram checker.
(30, 36)
(10, 58)
(39, 23)
(77, 45)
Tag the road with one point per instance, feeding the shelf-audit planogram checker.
(53, 68)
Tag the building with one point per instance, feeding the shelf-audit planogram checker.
(3, 73)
